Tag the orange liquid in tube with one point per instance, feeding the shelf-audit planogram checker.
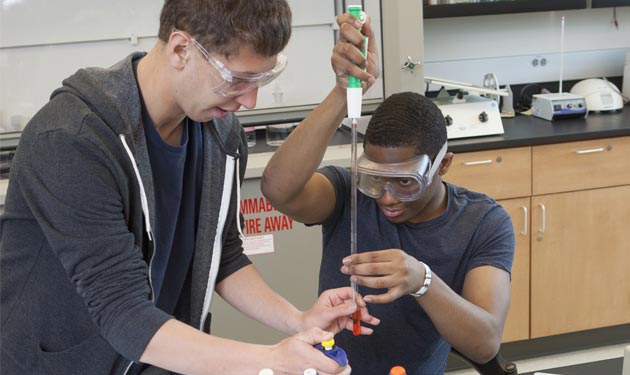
(356, 323)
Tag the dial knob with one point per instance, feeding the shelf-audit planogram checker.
(449, 120)
(483, 117)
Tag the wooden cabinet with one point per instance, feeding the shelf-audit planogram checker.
(517, 323)
(580, 165)
(580, 252)
(580, 260)
(571, 269)
(501, 174)
(504, 174)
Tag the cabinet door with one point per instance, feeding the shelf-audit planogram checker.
(580, 260)
(517, 323)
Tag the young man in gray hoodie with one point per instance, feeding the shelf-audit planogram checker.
(121, 213)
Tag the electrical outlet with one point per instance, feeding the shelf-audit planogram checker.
(539, 61)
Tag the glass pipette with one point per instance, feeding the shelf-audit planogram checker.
(354, 98)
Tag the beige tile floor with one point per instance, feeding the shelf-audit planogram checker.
(564, 359)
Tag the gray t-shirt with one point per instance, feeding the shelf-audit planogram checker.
(473, 231)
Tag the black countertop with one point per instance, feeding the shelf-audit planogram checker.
(520, 131)
(531, 131)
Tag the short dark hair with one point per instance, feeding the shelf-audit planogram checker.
(407, 119)
(222, 26)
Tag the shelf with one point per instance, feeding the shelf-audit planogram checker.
(507, 6)
(609, 3)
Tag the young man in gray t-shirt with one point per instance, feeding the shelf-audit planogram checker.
(433, 259)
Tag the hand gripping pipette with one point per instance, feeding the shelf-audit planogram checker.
(354, 93)
(354, 97)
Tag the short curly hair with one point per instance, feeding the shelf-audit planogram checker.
(223, 26)
(407, 119)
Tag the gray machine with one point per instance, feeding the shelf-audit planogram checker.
(558, 106)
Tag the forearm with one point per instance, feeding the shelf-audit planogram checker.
(469, 328)
(247, 291)
(183, 349)
(292, 165)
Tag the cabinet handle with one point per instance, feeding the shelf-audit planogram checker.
(591, 151)
(469, 163)
(524, 231)
(544, 214)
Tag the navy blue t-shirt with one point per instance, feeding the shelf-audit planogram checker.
(176, 174)
(473, 231)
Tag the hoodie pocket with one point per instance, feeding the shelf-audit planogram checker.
(22, 345)
(92, 356)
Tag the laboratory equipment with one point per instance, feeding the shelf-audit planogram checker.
(354, 98)
(507, 106)
(250, 135)
(600, 94)
(490, 82)
(557, 106)
(333, 351)
(276, 134)
(625, 85)
(468, 114)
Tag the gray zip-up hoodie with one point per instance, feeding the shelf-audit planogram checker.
(75, 237)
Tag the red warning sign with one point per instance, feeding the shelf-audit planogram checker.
(258, 220)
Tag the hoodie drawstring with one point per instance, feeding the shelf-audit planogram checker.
(143, 193)
(145, 212)
(228, 184)
(238, 199)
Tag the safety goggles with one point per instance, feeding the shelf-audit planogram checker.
(404, 181)
(237, 83)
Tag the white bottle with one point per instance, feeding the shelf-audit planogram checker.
(265, 371)
(625, 87)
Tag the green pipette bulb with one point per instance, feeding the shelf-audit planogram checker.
(354, 91)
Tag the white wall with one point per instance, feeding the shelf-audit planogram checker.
(466, 48)
(34, 58)
(43, 41)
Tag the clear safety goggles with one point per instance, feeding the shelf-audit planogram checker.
(404, 181)
(237, 83)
